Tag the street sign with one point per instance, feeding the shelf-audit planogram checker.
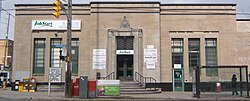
(59, 45)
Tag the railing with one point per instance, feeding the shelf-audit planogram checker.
(111, 76)
(143, 80)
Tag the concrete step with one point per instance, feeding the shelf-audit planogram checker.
(139, 90)
(128, 88)
(147, 92)
(53, 88)
(131, 87)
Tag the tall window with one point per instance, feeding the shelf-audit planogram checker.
(54, 53)
(75, 53)
(194, 53)
(177, 52)
(39, 56)
(211, 56)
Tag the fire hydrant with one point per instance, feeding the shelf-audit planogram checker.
(4, 85)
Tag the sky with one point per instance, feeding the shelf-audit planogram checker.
(243, 9)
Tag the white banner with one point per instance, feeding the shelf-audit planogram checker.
(177, 65)
(54, 25)
(99, 59)
(101, 52)
(108, 82)
(150, 65)
(99, 65)
(150, 55)
(124, 52)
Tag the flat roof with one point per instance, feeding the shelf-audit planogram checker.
(180, 2)
(240, 19)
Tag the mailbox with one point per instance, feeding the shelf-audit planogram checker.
(32, 85)
(92, 89)
(26, 84)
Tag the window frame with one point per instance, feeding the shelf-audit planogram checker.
(191, 53)
(36, 53)
(76, 56)
(52, 52)
(179, 54)
(211, 71)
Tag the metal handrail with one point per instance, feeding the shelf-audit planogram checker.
(111, 76)
(143, 80)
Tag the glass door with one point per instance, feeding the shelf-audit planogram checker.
(178, 81)
(125, 67)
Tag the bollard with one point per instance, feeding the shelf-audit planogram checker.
(98, 75)
(218, 87)
(4, 85)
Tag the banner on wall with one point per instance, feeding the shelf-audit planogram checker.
(150, 65)
(99, 59)
(150, 55)
(54, 25)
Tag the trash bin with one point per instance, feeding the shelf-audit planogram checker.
(32, 85)
(218, 87)
(26, 85)
(83, 90)
(92, 89)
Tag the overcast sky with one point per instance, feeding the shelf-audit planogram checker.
(243, 9)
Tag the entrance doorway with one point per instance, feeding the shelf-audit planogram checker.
(178, 80)
(125, 67)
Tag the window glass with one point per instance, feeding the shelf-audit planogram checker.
(75, 54)
(194, 53)
(177, 52)
(39, 56)
(211, 56)
(54, 53)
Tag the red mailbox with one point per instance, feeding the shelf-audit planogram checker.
(76, 87)
(91, 89)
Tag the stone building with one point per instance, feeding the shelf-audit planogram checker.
(154, 39)
(6, 52)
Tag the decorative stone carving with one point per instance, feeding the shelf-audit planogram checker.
(125, 23)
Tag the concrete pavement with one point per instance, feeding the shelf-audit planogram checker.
(164, 96)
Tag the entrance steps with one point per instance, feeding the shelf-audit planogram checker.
(127, 88)
(132, 87)
(53, 88)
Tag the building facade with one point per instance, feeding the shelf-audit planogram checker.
(154, 39)
(6, 54)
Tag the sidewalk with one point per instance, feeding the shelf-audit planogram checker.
(164, 96)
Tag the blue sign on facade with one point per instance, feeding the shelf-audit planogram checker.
(59, 46)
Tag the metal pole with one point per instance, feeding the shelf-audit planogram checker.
(6, 42)
(68, 70)
(49, 85)
(240, 82)
(247, 81)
